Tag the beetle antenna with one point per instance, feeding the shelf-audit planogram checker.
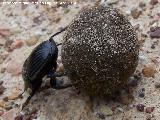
(51, 38)
(63, 29)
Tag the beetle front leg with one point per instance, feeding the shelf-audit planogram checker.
(56, 74)
(57, 84)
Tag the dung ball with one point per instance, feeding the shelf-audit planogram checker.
(100, 50)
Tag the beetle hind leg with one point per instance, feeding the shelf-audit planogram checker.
(58, 84)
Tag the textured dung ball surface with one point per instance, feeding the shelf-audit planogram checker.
(100, 50)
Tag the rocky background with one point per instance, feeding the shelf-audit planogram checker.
(24, 26)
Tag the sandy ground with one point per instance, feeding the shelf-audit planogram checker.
(31, 24)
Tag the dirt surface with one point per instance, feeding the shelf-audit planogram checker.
(22, 27)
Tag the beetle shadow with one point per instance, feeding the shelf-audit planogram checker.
(70, 103)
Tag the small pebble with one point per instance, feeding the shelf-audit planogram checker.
(120, 109)
(140, 107)
(101, 116)
(16, 105)
(60, 68)
(44, 29)
(37, 20)
(155, 32)
(10, 115)
(152, 22)
(150, 117)
(149, 110)
(32, 41)
(66, 10)
(2, 103)
(8, 105)
(16, 44)
(132, 82)
(2, 89)
(127, 12)
(136, 13)
(149, 71)
(157, 84)
(1, 82)
(5, 99)
(141, 94)
(5, 32)
(42, 117)
(3, 56)
(156, 17)
(57, 19)
(106, 110)
(143, 89)
(137, 27)
(1, 60)
(13, 95)
(1, 112)
(142, 4)
(30, 114)
(111, 2)
(153, 2)
(153, 46)
(19, 117)
(8, 45)
(3, 70)
(13, 68)
(2, 42)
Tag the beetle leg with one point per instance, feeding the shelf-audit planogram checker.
(52, 75)
(57, 84)
(63, 86)
(59, 74)
(26, 102)
(56, 74)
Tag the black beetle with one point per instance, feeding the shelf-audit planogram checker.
(41, 62)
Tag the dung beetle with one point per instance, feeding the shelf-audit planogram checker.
(42, 62)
